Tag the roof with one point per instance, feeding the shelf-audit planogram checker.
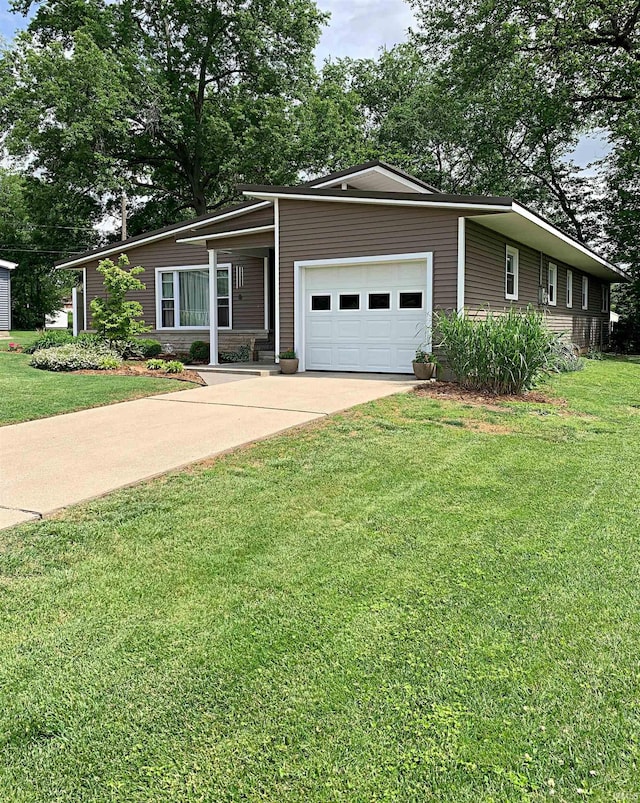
(366, 167)
(8, 265)
(502, 214)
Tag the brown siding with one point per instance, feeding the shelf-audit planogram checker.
(263, 239)
(322, 230)
(248, 301)
(485, 286)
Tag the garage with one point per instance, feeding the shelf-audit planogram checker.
(364, 314)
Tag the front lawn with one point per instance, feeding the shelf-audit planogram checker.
(27, 393)
(415, 600)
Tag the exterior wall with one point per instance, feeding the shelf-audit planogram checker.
(250, 220)
(485, 286)
(323, 230)
(247, 301)
(5, 299)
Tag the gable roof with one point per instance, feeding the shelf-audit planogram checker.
(359, 173)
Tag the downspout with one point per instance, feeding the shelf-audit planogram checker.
(462, 258)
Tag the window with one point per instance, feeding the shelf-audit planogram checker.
(184, 298)
(379, 300)
(349, 301)
(569, 288)
(511, 274)
(585, 292)
(605, 298)
(410, 301)
(320, 303)
(552, 284)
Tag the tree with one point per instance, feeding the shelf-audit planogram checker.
(176, 101)
(38, 226)
(114, 318)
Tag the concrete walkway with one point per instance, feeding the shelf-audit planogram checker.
(54, 462)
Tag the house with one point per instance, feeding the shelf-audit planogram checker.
(5, 296)
(347, 269)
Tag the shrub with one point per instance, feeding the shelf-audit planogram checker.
(75, 357)
(113, 316)
(502, 354)
(243, 354)
(49, 340)
(148, 348)
(564, 357)
(199, 351)
(289, 354)
(170, 367)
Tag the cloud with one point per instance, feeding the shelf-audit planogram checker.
(359, 28)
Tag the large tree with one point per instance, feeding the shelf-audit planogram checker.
(175, 101)
(37, 226)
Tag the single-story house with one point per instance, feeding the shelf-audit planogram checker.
(5, 296)
(347, 270)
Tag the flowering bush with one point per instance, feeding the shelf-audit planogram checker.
(76, 357)
(15, 347)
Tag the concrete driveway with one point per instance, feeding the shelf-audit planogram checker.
(54, 462)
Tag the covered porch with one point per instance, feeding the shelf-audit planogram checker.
(241, 282)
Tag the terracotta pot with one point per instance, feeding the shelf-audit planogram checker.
(289, 366)
(424, 370)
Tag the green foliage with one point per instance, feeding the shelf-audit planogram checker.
(501, 353)
(75, 357)
(564, 357)
(48, 340)
(114, 317)
(169, 367)
(289, 354)
(423, 356)
(178, 101)
(148, 347)
(242, 354)
(199, 351)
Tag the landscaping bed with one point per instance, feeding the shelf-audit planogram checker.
(453, 391)
(140, 369)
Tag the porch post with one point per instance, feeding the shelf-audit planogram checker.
(74, 303)
(213, 307)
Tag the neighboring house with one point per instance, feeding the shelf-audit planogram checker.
(347, 270)
(60, 318)
(5, 296)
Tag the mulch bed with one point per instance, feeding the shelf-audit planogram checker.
(142, 370)
(452, 391)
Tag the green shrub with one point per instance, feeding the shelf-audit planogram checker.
(243, 354)
(170, 367)
(148, 348)
(75, 357)
(113, 316)
(564, 357)
(50, 340)
(501, 354)
(199, 351)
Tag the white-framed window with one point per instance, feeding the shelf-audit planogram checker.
(569, 288)
(605, 298)
(182, 297)
(320, 302)
(410, 299)
(552, 283)
(511, 273)
(585, 292)
(378, 300)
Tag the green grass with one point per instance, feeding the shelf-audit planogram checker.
(411, 601)
(27, 393)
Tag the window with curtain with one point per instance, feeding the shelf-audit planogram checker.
(184, 298)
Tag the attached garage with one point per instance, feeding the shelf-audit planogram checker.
(366, 314)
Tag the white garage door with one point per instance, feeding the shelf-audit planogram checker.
(368, 316)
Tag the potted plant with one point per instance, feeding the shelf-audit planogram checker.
(425, 365)
(288, 361)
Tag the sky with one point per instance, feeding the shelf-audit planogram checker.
(357, 28)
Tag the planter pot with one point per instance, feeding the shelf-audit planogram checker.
(424, 370)
(289, 366)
